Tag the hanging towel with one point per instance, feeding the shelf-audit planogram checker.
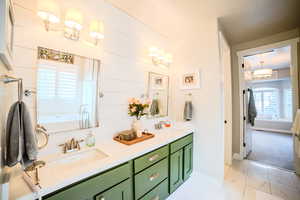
(154, 109)
(188, 111)
(21, 144)
(296, 131)
(252, 113)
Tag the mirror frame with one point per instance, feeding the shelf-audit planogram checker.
(62, 56)
(149, 116)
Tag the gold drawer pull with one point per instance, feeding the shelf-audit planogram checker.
(153, 158)
(156, 198)
(154, 176)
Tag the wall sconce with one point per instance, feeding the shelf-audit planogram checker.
(73, 24)
(49, 12)
(96, 31)
(159, 57)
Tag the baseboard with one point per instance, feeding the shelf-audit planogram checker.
(272, 130)
(237, 156)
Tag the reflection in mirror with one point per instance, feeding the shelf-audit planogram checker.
(67, 88)
(158, 92)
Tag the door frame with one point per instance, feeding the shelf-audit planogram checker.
(293, 43)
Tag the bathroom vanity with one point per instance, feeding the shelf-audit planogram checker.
(150, 170)
(152, 176)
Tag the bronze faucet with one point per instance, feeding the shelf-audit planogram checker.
(71, 145)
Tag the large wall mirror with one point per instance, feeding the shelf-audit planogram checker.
(67, 91)
(158, 91)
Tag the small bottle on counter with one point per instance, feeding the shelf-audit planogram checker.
(90, 139)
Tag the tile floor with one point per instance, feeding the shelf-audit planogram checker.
(244, 180)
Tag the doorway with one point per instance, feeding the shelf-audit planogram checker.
(269, 81)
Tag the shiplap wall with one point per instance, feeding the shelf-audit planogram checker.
(123, 53)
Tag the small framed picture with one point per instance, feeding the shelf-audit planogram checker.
(7, 24)
(158, 82)
(190, 81)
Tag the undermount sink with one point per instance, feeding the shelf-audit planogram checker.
(63, 165)
(83, 156)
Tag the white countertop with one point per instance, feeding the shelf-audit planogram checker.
(117, 154)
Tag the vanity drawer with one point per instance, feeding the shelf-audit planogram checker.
(160, 192)
(87, 189)
(150, 158)
(149, 178)
(178, 144)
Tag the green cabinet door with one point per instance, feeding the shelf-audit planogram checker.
(122, 191)
(187, 161)
(176, 170)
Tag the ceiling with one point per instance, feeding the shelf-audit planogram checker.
(242, 20)
(277, 59)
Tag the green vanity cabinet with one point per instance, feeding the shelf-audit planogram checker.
(160, 192)
(187, 161)
(176, 170)
(87, 189)
(181, 161)
(152, 176)
(122, 191)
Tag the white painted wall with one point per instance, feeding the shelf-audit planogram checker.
(123, 53)
(200, 52)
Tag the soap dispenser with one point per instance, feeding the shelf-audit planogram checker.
(90, 139)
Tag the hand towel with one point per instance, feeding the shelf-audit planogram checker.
(188, 111)
(296, 131)
(154, 109)
(252, 113)
(21, 144)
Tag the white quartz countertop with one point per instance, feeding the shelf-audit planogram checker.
(117, 154)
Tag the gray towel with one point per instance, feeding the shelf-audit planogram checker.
(154, 109)
(21, 144)
(188, 111)
(252, 113)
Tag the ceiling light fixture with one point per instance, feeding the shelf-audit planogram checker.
(263, 72)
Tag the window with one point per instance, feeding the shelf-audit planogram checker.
(59, 92)
(267, 103)
(287, 103)
(274, 102)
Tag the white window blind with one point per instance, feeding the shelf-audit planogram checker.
(273, 103)
(267, 103)
(59, 91)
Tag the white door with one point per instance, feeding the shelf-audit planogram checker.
(227, 98)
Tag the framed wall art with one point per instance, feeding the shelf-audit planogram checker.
(190, 80)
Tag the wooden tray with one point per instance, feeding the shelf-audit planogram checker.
(145, 136)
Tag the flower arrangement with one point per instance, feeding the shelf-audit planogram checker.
(136, 108)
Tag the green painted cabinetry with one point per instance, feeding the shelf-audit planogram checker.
(187, 161)
(149, 177)
(160, 192)
(176, 170)
(150, 158)
(87, 189)
(181, 161)
(122, 191)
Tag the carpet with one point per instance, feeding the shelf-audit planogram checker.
(272, 148)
